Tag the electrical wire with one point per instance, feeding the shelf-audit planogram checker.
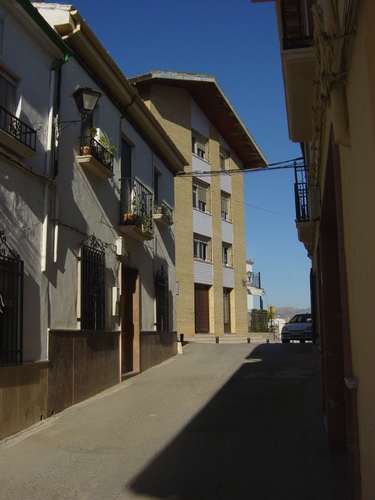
(268, 168)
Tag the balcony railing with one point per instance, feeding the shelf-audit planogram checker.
(297, 23)
(162, 209)
(253, 279)
(136, 204)
(90, 146)
(300, 193)
(17, 129)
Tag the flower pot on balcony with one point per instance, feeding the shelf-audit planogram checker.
(129, 219)
(85, 150)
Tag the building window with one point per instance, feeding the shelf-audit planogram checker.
(162, 302)
(11, 306)
(7, 93)
(227, 254)
(224, 159)
(225, 206)
(200, 146)
(202, 248)
(92, 289)
(201, 196)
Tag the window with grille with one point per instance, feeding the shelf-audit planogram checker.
(11, 306)
(225, 206)
(92, 289)
(162, 302)
(201, 196)
(200, 146)
(202, 248)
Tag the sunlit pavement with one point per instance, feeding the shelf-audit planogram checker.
(221, 421)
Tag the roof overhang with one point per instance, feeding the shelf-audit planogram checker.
(86, 46)
(206, 92)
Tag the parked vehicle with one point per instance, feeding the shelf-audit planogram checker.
(298, 328)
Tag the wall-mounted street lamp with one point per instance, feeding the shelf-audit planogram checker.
(86, 100)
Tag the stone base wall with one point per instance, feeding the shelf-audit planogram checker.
(157, 347)
(82, 364)
(23, 396)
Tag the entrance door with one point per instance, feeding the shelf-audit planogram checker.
(129, 287)
(202, 311)
(226, 310)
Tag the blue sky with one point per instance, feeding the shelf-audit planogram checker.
(237, 42)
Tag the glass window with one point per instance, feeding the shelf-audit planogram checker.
(201, 196)
(227, 254)
(202, 248)
(225, 206)
(224, 159)
(199, 146)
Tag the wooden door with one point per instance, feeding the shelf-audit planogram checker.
(202, 311)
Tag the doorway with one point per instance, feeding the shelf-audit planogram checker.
(129, 321)
(202, 311)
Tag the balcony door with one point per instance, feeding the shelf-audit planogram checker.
(129, 321)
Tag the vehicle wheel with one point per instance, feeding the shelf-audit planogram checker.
(285, 341)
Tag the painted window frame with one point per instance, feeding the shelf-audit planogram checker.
(202, 248)
(201, 196)
(199, 145)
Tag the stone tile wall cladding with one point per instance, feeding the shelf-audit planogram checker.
(23, 396)
(81, 365)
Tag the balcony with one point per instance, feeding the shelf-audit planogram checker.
(96, 157)
(299, 64)
(305, 226)
(16, 136)
(136, 210)
(163, 214)
(252, 284)
(297, 24)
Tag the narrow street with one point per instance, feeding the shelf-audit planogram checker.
(220, 421)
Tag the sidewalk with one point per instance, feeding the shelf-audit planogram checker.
(229, 338)
(227, 421)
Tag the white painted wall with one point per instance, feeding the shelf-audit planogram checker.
(27, 56)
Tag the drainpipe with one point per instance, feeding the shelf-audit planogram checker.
(49, 166)
(48, 169)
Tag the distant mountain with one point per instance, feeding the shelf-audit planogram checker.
(288, 312)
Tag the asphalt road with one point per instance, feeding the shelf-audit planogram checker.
(220, 421)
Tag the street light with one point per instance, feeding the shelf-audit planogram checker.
(86, 99)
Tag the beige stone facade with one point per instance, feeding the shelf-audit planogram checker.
(329, 78)
(211, 296)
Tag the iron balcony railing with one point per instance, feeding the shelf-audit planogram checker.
(17, 129)
(90, 146)
(253, 279)
(300, 194)
(160, 207)
(297, 23)
(136, 204)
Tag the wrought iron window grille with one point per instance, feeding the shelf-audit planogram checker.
(162, 301)
(92, 287)
(136, 204)
(11, 305)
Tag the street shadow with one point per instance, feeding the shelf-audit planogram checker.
(260, 437)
